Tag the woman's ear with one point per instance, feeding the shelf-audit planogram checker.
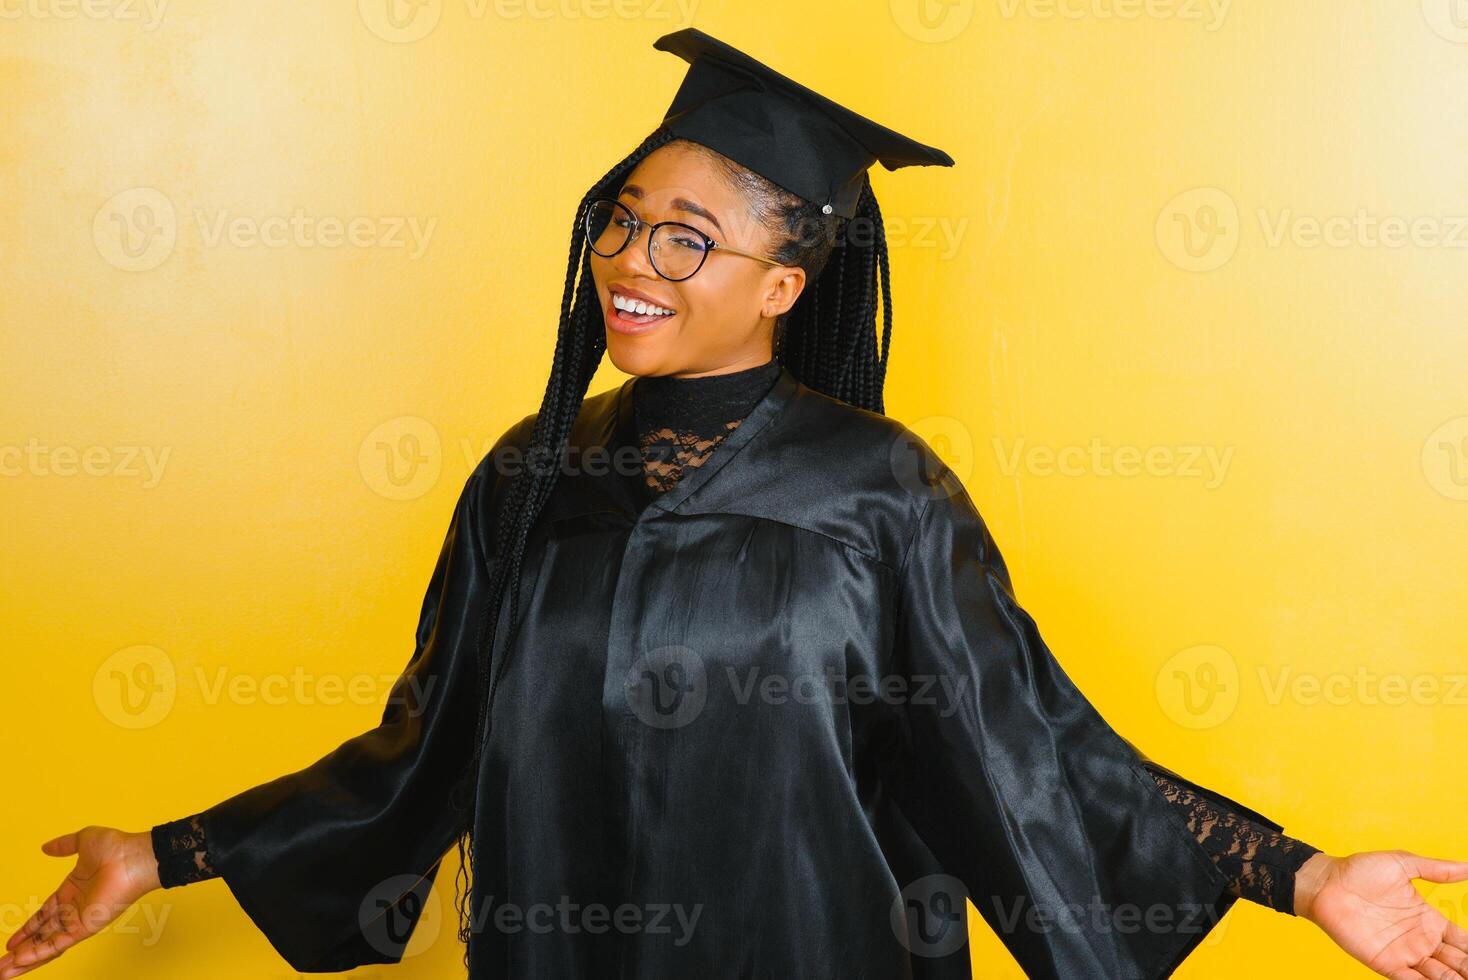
(785, 286)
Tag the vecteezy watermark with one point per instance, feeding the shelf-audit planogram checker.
(940, 233)
(1209, 13)
(1452, 907)
(669, 687)
(932, 456)
(33, 458)
(136, 229)
(1363, 230)
(932, 21)
(401, 458)
(1189, 462)
(568, 917)
(1198, 230)
(1201, 230)
(930, 916)
(573, 460)
(1445, 458)
(400, 916)
(1363, 686)
(942, 693)
(407, 21)
(301, 687)
(138, 686)
(1156, 918)
(1448, 19)
(301, 230)
(916, 232)
(146, 919)
(148, 13)
(1198, 687)
(672, 11)
(1201, 687)
(400, 21)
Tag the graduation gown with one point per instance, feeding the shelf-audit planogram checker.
(778, 721)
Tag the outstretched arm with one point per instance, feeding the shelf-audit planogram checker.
(1026, 794)
(1365, 902)
(330, 862)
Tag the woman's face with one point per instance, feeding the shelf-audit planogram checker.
(724, 315)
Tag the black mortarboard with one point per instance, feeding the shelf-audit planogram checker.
(778, 128)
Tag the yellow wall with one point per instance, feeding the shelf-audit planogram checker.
(1277, 494)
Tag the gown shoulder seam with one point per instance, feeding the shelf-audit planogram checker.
(917, 524)
(860, 551)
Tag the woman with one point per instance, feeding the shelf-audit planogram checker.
(720, 672)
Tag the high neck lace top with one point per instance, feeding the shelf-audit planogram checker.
(680, 424)
(681, 421)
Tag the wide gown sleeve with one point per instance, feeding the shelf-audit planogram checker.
(1049, 818)
(333, 862)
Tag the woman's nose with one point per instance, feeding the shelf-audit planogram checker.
(633, 260)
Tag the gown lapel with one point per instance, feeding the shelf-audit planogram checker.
(612, 481)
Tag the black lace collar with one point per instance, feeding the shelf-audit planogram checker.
(702, 406)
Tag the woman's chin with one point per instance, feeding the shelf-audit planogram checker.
(634, 355)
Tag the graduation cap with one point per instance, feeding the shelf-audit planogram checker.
(778, 128)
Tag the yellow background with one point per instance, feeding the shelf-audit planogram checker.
(1123, 254)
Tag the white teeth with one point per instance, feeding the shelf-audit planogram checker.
(637, 306)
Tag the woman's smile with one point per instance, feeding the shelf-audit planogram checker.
(631, 312)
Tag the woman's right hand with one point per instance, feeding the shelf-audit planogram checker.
(113, 870)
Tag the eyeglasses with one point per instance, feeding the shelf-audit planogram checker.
(676, 250)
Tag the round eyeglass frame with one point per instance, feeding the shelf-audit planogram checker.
(710, 244)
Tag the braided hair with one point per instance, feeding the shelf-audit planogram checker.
(827, 340)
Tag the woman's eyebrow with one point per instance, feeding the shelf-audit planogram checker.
(680, 204)
(683, 204)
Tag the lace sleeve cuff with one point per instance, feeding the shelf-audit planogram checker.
(182, 851)
(1259, 862)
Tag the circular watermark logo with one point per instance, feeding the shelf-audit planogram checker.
(1199, 230)
(1199, 687)
(932, 21)
(400, 21)
(401, 915)
(1448, 19)
(135, 687)
(914, 467)
(136, 230)
(1445, 459)
(401, 459)
(930, 916)
(668, 687)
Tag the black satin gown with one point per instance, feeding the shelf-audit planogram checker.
(777, 717)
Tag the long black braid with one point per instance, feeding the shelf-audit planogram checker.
(828, 340)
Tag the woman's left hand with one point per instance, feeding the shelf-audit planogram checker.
(1366, 903)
